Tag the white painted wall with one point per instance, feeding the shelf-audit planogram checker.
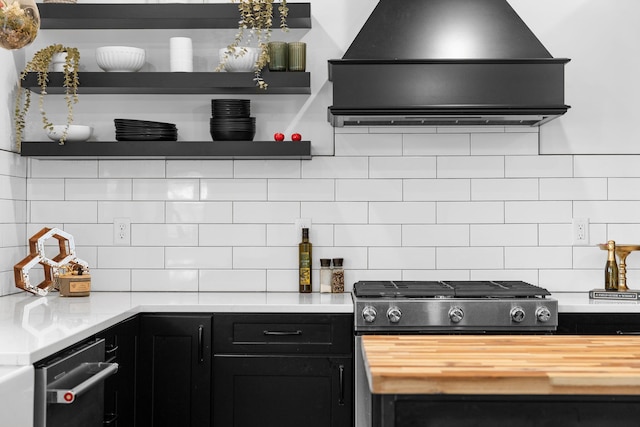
(463, 203)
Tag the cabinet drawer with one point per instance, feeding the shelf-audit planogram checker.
(283, 333)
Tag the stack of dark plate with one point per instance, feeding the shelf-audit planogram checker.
(143, 130)
(231, 120)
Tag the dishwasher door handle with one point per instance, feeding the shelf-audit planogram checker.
(82, 378)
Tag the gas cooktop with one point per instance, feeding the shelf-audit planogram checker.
(448, 289)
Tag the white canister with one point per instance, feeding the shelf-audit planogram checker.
(181, 54)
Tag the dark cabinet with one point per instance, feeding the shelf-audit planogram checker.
(599, 323)
(283, 370)
(174, 372)
(121, 346)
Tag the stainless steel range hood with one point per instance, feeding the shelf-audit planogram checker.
(446, 62)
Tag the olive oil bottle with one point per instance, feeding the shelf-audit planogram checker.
(611, 275)
(304, 262)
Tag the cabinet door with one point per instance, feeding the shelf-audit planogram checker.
(599, 323)
(121, 345)
(282, 391)
(175, 371)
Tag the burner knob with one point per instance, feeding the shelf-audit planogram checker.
(517, 314)
(394, 314)
(456, 314)
(369, 314)
(543, 314)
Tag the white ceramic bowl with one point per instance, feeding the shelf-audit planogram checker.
(240, 63)
(76, 132)
(120, 58)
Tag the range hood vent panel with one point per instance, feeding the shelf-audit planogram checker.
(419, 55)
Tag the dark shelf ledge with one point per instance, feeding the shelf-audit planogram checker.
(158, 16)
(169, 150)
(101, 82)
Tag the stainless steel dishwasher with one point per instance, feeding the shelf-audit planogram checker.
(69, 386)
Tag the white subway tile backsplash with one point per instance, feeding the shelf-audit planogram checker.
(164, 280)
(266, 169)
(201, 257)
(336, 167)
(402, 258)
(233, 235)
(199, 212)
(301, 189)
(137, 212)
(335, 212)
(573, 189)
(165, 189)
(164, 235)
(469, 212)
(476, 258)
(402, 167)
(266, 212)
(233, 189)
(504, 189)
(537, 257)
(368, 235)
(436, 189)
(131, 169)
(537, 212)
(402, 212)
(98, 189)
(410, 203)
(504, 235)
(435, 235)
(39, 189)
(453, 144)
(471, 167)
(504, 143)
(199, 169)
(53, 211)
(233, 281)
(538, 166)
(366, 144)
(356, 190)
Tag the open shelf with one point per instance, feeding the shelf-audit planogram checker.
(177, 83)
(158, 16)
(169, 150)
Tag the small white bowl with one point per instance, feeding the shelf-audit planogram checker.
(76, 133)
(238, 61)
(120, 58)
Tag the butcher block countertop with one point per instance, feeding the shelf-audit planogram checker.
(502, 364)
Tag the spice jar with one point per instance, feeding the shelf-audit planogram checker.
(325, 275)
(337, 276)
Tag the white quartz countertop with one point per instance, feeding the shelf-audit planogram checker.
(32, 328)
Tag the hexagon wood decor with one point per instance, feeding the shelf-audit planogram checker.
(65, 258)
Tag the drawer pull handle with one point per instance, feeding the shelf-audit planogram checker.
(282, 333)
(111, 349)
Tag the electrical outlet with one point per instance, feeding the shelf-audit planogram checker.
(300, 224)
(122, 231)
(580, 227)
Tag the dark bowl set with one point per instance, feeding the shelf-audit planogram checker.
(231, 120)
(143, 130)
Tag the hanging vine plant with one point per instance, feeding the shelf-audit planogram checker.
(40, 64)
(256, 19)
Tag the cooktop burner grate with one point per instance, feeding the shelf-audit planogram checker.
(448, 289)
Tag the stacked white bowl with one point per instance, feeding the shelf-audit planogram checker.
(181, 54)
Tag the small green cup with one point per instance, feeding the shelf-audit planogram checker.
(297, 56)
(278, 56)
